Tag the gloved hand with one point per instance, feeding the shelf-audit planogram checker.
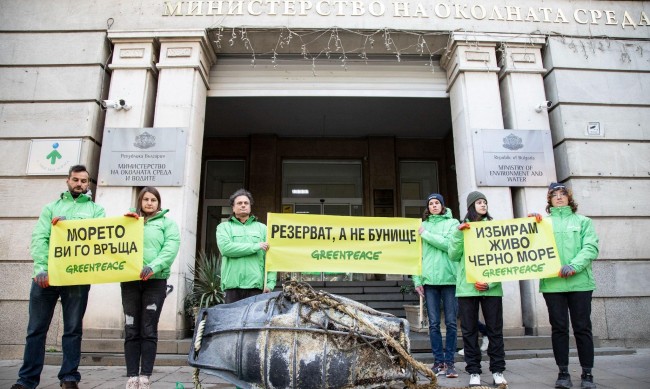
(537, 216)
(420, 290)
(567, 271)
(42, 279)
(463, 226)
(146, 273)
(56, 219)
(481, 286)
(132, 214)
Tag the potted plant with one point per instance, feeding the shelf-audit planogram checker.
(417, 318)
(204, 285)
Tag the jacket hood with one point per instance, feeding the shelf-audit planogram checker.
(83, 197)
(561, 211)
(446, 215)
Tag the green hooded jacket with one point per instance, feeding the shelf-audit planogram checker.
(162, 240)
(242, 259)
(464, 288)
(577, 245)
(437, 269)
(82, 207)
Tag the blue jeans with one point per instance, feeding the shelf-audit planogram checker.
(42, 302)
(433, 295)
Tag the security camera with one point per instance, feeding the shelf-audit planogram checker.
(109, 104)
(544, 105)
(115, 104)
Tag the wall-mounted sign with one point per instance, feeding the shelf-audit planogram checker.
(143, 156)
(513, 157)
(53, 156)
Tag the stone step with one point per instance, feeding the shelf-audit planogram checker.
(427, 358)
(117, 359)
(420, 342)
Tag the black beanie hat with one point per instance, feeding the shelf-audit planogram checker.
(473, 196)
(436, 196)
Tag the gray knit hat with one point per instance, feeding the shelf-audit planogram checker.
(472, 197)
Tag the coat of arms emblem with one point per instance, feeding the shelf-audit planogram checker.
(144, 140)
(513, 142)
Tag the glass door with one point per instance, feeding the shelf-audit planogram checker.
(322, 187)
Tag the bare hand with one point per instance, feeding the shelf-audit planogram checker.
(420, 230)
(420, 290)
(264, 246)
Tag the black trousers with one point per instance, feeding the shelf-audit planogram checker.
(142, 302)
(577, 305)
(492, 307)
(236, 294)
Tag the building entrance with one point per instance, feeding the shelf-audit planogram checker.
(322, 187)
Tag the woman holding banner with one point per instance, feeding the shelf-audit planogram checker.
(143, 300)
(569, 294)
(438, 281)
(472, 295)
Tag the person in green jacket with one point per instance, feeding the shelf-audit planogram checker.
(242, 243)
(569, 294)
(472, 295)
(74, 204)
(438, 282)
(142, 300)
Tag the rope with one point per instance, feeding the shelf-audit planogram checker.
(303, 293)
(197, 347)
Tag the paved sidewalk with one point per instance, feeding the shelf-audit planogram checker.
(616, 371)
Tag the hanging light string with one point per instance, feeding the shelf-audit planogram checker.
(330, 43)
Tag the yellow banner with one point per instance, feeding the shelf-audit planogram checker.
(506, 250)
(346, 244)
(95, 251)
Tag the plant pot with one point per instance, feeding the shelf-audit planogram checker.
(413, 317)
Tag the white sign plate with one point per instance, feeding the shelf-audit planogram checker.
(53, 156)
(513, 157)
(143, 157)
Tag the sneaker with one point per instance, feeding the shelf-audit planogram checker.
(133, 383)
(18, 386)
(69, 385)
(499, 379)
(484, 343)
(451, 371)
(587, 381)
(439, 368)
(461, 352)
(474, 380)
(563, 381)
(145, 382)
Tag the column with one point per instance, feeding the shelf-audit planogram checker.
(185, 60)
(133, 79)
(522, 91)
(472, 74)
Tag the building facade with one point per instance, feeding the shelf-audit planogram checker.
(367, 105)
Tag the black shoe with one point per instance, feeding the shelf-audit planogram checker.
(587, 381)
(69, 385)
(18, 386)
(563, 381)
